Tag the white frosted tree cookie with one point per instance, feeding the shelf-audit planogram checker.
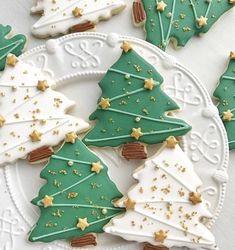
(32, 115)
(66, 16)
(165, 208)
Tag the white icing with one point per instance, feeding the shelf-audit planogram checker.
(172, 169)
(58, 18)
(19, 95)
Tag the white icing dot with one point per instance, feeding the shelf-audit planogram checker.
(137, 119)
(70, 163)
(104, 211)
(112, 39)
(127, 76)
(51, 46)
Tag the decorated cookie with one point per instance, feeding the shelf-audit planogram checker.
(77, 199)
(64, 16)
(225, 94)
(177, 20)
(165, 208)
(132, 108)
(32, 115)
(14, 45)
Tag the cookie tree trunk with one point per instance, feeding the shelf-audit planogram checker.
(134, 150)
(148, 246)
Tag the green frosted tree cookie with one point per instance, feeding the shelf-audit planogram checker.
(78, 196)
(225, 94)
(132, 106)
(13, 45)
(177, 19)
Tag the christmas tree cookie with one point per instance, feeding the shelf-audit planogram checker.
(225, 94)
(32, 115)
(77, 199)
(165, 208)
(14, 45)
(65, 16)
(132, 108)
(177, 20)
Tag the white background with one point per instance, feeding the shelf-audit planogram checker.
(206, 57)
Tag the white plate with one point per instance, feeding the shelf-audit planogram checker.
(77, 62)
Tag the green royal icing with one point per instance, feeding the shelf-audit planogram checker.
(225, 94)
(78, 192)
(13, 45)
(178, 20)
(133, 106)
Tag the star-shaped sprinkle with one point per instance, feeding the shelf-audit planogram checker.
(161, 6)
(160, 236)
(96, 167)
(171, 142)
(77, 12)
(195, 198)
(71, 137)
(11, 60)
(149, 84)
(227, 116)
(232, 55)
(126, 46)
(47, 201)
(42, 85)
(2, 121)
(202, 21)
(35, 136)
(82, 223)
(136, 133)
(232, 1)
(104, 103)
(129, 204)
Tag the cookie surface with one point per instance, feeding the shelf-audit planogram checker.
(32, 114)
(10, 44)
(179, 20)
(225, 94)
(62, 17)
(165, 207)
(132, 106)
(77, 199)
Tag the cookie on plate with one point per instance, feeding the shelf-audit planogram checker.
(67, 16)
(77, 200)
(32, 115)
(166, 20)
(165, 209)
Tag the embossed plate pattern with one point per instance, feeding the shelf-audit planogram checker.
(77, 62)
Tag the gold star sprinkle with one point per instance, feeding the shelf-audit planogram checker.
(195, 198)
(71, 137)
(161, 6)
(77, 12)
(129, 204)
(47, 201)
(232, 54)
(160, 236)
(42, 85)
(171, 142)
(202, 21)
(232, 1)
(96, 167)
(149, 84)
(35, 136)
(126, 46)
(136, 133)
(227, 116)
(2, 121)
(104, 103)
(11, 60)
(82, 223)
